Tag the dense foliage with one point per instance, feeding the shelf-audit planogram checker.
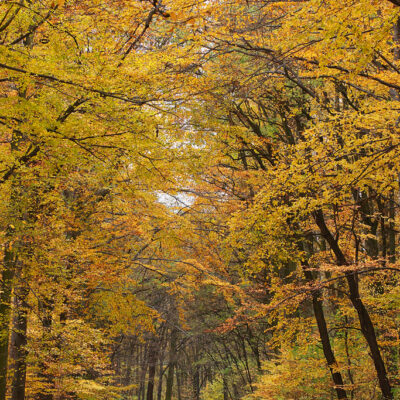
(199, 200)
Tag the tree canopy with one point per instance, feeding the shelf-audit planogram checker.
(199, 200)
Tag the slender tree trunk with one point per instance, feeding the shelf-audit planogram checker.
(18, 350)
(325, 340)
(253, 343)
(161, 368)
(153, 353)
(395, 96)
(392, 229)
(9, 268)
(160, 381)
(225, 387)
(47, 321)
(322, 325)
(246, 363)
(349, 364)
(171, 364)
(178, 383)
(196, 383)
(367, 327)
(5, 314)
(142, 388)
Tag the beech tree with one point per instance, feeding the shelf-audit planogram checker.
(199, 200)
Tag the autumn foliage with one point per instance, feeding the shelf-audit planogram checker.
(200, 200)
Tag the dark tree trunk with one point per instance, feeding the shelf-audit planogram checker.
(322, 325)
(325, 340)
(196, 383)
(367, 327)
(160, 381)
(153, 353)
(171, 364)
(142, 387)
(161, 365)
(392, 229)
(225, 387)
(18, 350)
(47, 320)
(178, 383)
(5, 314)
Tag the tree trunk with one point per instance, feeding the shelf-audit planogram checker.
(47, 321)
(196, 383)
(392, 229)
(161, 370)
(225, 387)
(5, 314)
(143, 372)
(367, 327)
(171, 364)
(178, 383)
(18, 350)
(322, 325)
(325, 340)
(153, 353)
(160, 382)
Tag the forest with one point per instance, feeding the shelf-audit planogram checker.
(199, 200)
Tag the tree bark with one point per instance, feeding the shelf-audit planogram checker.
(196, 383)
(160, 380)
(153, 353)
(225, 387)
(178, 383)
(322, 325)
(392, 229)
(367, 327)
(5, 315)
(161, 364)
(324, 336)
(18, 350)
(47, 321)
(143, 372)
(171, 364)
